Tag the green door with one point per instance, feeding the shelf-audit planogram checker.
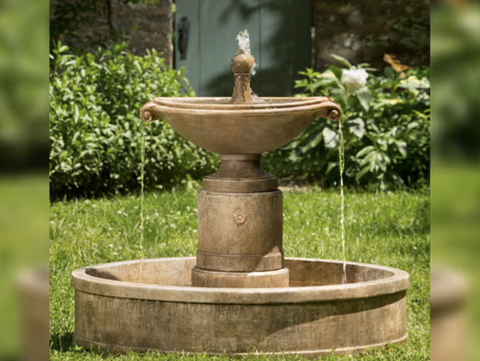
(280, 37)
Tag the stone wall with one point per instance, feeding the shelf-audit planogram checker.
(143, 26)
(362, 31)
(146, 26)
(82, 25)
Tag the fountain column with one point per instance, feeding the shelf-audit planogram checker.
(240, 223)
(240, 215)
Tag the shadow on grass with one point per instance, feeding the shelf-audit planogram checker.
(62, 342)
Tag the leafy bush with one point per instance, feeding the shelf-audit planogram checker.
(386, 125)
(95, 126)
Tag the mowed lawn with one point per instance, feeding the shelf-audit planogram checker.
(390, 229)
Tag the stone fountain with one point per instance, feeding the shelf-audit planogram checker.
(240, 294)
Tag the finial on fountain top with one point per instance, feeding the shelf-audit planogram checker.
(243, 65)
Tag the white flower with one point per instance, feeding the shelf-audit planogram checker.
(354, 79)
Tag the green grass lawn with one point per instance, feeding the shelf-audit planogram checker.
(385, 229)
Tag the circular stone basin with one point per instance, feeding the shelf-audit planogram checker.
(150, 305)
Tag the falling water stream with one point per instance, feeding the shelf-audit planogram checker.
(142, 200)
(341, 161)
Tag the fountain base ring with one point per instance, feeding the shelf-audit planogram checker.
(150, 305)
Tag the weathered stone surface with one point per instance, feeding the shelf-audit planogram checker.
(240, 173)
(146, 26)
(234, 234)
(150, 305)
(215, 125)
(240, 240)
(240, 185)
(142, 26)
(215, 279)
(242, 65)
(241, 262)
(362, 31)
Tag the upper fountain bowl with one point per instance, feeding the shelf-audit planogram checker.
(217, 125)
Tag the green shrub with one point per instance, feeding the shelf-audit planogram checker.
(95, 126)
(386, 125)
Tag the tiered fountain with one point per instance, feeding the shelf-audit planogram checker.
(240, 294)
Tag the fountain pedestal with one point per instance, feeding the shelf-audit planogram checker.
(240, 221)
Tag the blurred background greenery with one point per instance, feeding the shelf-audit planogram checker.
(23, 170)
(455, 185)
